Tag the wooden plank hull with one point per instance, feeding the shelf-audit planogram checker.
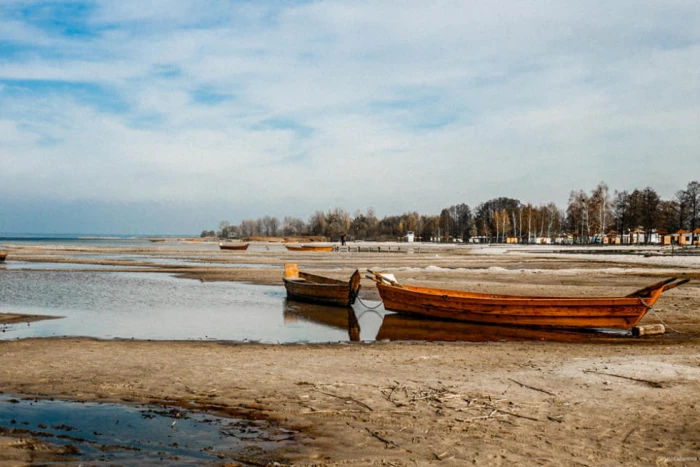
(622, 313)
(318, 289)
(225, 246)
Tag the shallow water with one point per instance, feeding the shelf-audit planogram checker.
(39, 265)
(95, 302)
(159, 306)
(111, 434)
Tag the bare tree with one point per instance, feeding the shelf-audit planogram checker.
(270, 226)
(692, 195)
(601, 205)
(578, 214)
(223, 229)
(293, 226)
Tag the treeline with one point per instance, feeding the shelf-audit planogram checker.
(587, 215)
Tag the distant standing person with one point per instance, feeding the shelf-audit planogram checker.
(343, 239)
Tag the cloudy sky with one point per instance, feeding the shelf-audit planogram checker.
(168, 116)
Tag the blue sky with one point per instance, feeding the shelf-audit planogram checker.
(169, 116)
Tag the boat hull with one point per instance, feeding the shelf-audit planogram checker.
(308, 248)
(3, 255)
(234, 247)
(616, 313)
(311, 288)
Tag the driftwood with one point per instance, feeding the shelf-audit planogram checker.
(518, 415)
(653, 384)
(648, 330)
(383, 440)
(346, 399)
(532, 387)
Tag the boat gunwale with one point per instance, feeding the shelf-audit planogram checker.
(497, 299)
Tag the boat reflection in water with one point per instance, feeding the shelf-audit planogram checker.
(397, 327)
(386, 326)
(328, 316)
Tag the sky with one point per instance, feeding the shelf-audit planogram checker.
(169, 116)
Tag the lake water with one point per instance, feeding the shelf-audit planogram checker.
(118, 305)
(92, 301)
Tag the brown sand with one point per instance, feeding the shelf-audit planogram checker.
(401, 404)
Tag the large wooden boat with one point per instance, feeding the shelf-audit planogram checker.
(3, 255)
(308, 248)
(234, 246)
(568, 312)
(318, 289)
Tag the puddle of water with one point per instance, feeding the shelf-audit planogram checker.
(138, 435)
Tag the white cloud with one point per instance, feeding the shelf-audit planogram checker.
(399, 106)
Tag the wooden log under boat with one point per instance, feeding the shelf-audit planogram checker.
(318, 289)
(567, 312)
(233, 246)
(308, 248)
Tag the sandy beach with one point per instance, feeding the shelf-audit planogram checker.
(604, 402)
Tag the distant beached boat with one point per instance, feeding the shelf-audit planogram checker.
(3, 255)
(232, 246)
(308, 248)
(318, 289)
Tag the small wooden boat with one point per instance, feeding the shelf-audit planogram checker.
(3, 255)
(568, 312)
(318, 289)
(234, 246)
(308, 248)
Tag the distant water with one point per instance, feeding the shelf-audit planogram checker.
(82, 236)
(87, 240)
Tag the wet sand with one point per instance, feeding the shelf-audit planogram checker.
(497, 403)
